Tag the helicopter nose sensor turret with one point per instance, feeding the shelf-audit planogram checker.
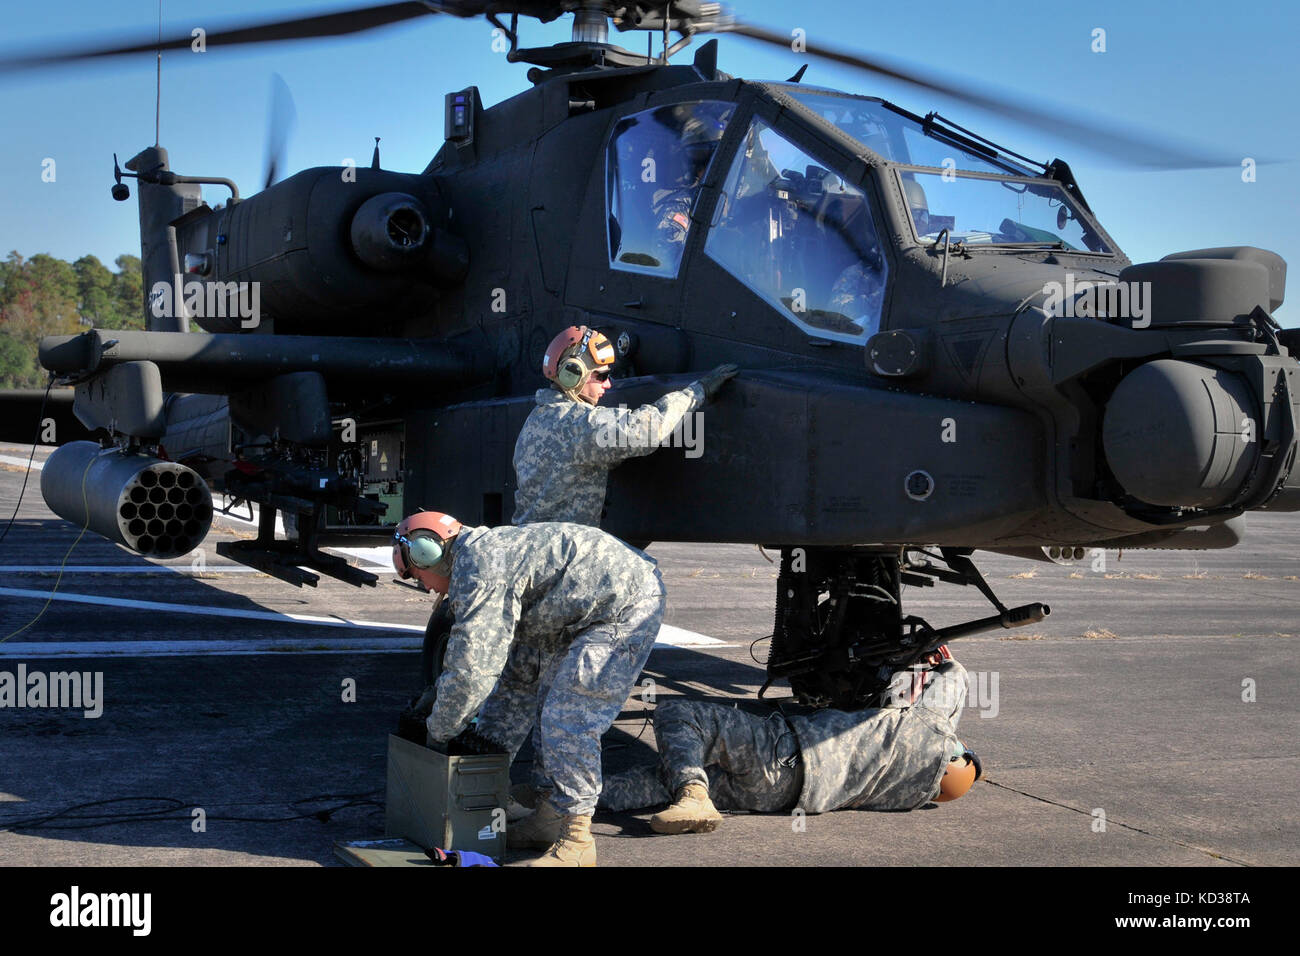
(1178, 434)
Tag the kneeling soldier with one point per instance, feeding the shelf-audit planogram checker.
(895, 757)
(574, 593)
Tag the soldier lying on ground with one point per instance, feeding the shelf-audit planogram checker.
(895, 757)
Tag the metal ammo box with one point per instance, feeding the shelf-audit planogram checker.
(456, 803)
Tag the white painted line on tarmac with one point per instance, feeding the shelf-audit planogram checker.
(59, 649)
(668, 636)
(158, 606)
(37, 464)
(680, 637)
(373, 558)
(213, 569)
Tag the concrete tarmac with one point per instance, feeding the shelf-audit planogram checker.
(1150, 720)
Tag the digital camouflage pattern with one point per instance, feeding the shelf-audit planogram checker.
(884, 758)
(515, 704)
(588, 603)
(590, 687)
(565, 451)
(748, 762)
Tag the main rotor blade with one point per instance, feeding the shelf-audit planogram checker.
(1098, 135)
(342, 23)
(280, 119)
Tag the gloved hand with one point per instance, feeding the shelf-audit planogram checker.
(423, 705)
(713, 381)
(469, 742)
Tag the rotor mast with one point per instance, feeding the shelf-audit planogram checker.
(591, 24)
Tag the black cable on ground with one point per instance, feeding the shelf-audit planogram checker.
(40, 417)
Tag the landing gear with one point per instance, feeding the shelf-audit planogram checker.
(840, 631)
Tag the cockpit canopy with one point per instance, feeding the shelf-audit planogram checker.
(977, 198)
(801, 233)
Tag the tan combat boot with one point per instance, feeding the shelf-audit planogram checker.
(575, 846)
(538, 830)
(691, 812)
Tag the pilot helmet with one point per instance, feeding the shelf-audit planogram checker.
(573, 356)
(960, 775)
(422, 549)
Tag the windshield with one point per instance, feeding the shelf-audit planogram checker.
(801, 237)
(894, 136)
(995, 212)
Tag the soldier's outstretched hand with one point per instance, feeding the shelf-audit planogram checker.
(713, 381)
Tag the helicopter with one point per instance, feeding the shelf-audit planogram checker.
(943, 350)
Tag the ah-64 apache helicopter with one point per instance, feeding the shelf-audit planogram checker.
(941, 345)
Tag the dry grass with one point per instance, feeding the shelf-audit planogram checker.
(1147, 577)
(1291, 577)
(1197, 575)
(1099, 634)
(1077, 574)
(1025, 574)
(1256, 576)
(1022, 637)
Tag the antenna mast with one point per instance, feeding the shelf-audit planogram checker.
(157, 103)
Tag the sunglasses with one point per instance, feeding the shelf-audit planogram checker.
(601, 375)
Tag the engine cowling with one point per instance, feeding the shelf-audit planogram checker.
(327, 247)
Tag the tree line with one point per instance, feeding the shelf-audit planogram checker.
(47, 296)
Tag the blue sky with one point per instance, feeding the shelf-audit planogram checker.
(1220, 75)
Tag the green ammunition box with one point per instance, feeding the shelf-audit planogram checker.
(456, 803)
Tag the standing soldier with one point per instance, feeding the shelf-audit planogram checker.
(895, 757)
(575, 594)
(562, 461)
(568, 445)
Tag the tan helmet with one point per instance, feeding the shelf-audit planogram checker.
(573, 355)
(422, 549)
(960, 775)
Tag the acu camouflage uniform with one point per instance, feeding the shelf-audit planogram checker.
(881, 758)
(566, 448)
(589, 604)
